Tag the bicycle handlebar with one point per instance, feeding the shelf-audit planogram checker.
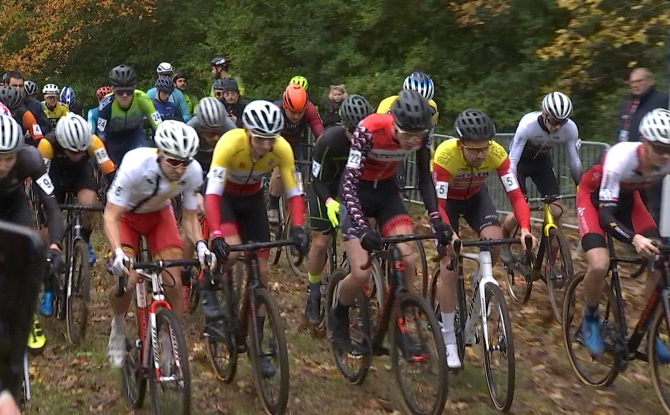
(407, 238)
(96, 208)
(255, 246)
(168, 263)
(550, 199)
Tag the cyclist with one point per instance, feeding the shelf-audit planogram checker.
(220, 67)
(138, 204)
(167, 109)
(120, 115)
(227, 91)
(330, 157)
(52, 108)
(460, 168)
(18, 163)
(234, 197)
(298, 113)
(68, 97)
(369, 189)
(13, 99)
(31, 89)
(530, 153)
(608, 200)
(17, 80)
(416, 81)
(100, 93)
(180, 81)
(176, 96)
(68, 158)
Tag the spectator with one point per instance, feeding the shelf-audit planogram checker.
(17, 80)
(331, 116)
(220, 68)
(180, 79)
(231, 100)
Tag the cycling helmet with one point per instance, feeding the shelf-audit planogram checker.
(73, 133)
(179, 75)
(177, 139)
(164, 84)
(263, 118)
(50, 89)
(557, 105)
(11, 97)
(211, 112)
(474, 124)
(11, 134)
(655, 126)
(411, 111)
(220, 61)
(300, 80)
(67, 96)
(219, 84)
(31, 88)
(420, 82)
(295, 98)
(123, 75)
(164, 67)
(353, 109)
(103, 91)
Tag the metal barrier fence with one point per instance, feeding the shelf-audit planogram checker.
(590, 152)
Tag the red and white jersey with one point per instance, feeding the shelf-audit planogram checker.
(4, 110)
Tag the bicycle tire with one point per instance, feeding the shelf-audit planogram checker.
(570, 333)
(134, 383)
(555, 287)
(423, 269)
(663, 392)
(272, 317)
(221, 335)
(77, 293)
(517, 290)
(291, 256)
(434, 362)
(165, 316)
(492, 291)
(362, 332)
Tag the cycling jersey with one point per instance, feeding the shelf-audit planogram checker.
(206, 149)
(384, 107)
(55, 157)
(93, 119)
(374, 157)
(121, 129)
(29, 165)
(235, 172)
(26, 119)
(331, 152)
(168, 110)
(292, 132)
(456, 180)
(176, 97)
(532, 140)
(4, 110)
(55, 114)
(141, 187)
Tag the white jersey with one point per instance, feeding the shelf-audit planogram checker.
(140, 185)
(533, 136)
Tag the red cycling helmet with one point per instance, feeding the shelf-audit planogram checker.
(295, 98)
(103, 91)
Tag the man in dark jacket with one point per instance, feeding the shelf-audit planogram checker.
(17, 80)
(231, 99)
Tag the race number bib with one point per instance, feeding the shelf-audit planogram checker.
(316, 168)
(442, 189)
(102, 123)
(45, 183)
(37, 130)
(217, 174)
(509, 182)
(156, 117)
(101, 155)
(354, 161)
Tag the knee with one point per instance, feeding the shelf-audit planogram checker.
(319, 242)
(360, 276)
(598, 268)
(408, 254)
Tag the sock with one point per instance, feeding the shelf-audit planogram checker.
(273, 202)
(314, 279)
(314, 289)
(448, 332)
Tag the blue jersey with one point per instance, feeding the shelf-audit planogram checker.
(93, 119)
(176, 97)
(168, 110)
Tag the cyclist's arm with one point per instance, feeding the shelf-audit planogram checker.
(47, 152)
(190, 221)
(574, 162)
(608, 201)
(118, 200)
(216, 183)
(31, 125)
(45, 192)
(516, 148)
(103, 117)
(314, 120)
(516, 198)
(111, 218)
(183, 106)
(92, 119)
(294, 197)
(360, 147)
(426, 185)
(149, 110)
(325, 151)
(98, 151)
(442, 177)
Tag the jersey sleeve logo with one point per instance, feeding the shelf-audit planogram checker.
(45, 183)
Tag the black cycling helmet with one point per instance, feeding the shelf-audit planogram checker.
(123, 75)
(219, 84)
(353, 109)
(31, 88)
(11, 97)
(179, 75)
(220, 61)
(475, 125)
(164, 84)
(411, 111)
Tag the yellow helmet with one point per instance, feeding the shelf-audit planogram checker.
(300, 80)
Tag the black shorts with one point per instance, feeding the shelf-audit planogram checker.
(541, 172)
(379, 200)
(477, 210)
(80, 177)
(245, 216)
(17, 210)
(318, 215)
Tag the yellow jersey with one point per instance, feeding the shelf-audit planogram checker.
(235, 171)
(55, 114)
(53, 153)
(385, 106)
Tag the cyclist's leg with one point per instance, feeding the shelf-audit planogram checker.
(446, 289)
(546, 181)
(394, 220)
(482, 217)
(86, 186)
(317, 257)
(252, 221)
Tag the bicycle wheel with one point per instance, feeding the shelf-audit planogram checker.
(273, 390)
(171, 393)
(660, 371)
(599, 371)
(276, 230)
(353, 368)
(559, 270)
(291, 254)
(418, 355)
(77, 294)
(499, 355)
(517, 276)
(422, 272)
(220, 335)
(134, 383)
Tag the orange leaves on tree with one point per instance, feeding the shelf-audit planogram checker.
(466, 10)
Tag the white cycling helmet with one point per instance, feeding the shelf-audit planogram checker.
(50, 89)
(73, 133)
(421, 83)
(177, 139)
(263, 118)
(211, 112)
(164, 67)
(655, 126)
(557, 105)
(11, 135)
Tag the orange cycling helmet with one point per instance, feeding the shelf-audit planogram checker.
(295, 98)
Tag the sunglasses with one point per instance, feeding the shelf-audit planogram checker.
(178, 162)
(50, 97)
(476, 149)
(556, 122)
(124, 92)
(416, 135)
(660, 149)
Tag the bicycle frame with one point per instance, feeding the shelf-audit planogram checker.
(483, 276)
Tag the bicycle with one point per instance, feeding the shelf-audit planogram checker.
(473, 318)
(72, 290)
(302, 175)
(25, 392)
(168, 370)
(619, 347)
(557, 273)
(401, 310)
(228, 337)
